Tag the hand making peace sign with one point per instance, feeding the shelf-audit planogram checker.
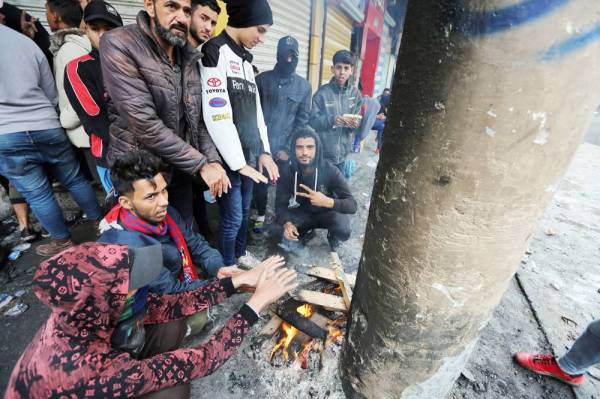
(316, 198)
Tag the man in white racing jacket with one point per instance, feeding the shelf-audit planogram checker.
(234, 118)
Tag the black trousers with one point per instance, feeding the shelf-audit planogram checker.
(261, 191)
(337, 224)
(181, 195)
(161, 338)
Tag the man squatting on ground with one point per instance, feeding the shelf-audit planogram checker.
(234, 118)
(313, 194)
(330, 103)
(94, 290)
(84, 86)
(155, 99)
(285, 99)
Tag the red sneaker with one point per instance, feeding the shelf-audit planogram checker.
(546, 365)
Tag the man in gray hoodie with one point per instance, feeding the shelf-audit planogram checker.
(32, 139)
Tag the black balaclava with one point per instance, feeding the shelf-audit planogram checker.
(287, 45)
(247, 13)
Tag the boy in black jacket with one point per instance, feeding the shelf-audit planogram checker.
(85, 89)
(313, 194)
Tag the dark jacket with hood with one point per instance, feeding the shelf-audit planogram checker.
(325, 178)
(208, 259)
(329, 102)
(154, 105)
(285, 98)
(71, 355)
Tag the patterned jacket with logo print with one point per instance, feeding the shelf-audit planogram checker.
(231, 103)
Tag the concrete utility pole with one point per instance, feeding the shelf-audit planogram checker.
(490, 101)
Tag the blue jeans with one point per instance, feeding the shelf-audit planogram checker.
(379, 125)
(234, 208)
(23, 156)
(584, 353)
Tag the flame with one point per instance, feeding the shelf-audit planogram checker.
(289, 332)
(333, 335)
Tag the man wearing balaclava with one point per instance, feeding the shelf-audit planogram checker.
(233, 115)
(285, 97)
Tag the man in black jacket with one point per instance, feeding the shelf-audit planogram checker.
(313, 194)
(285, 98)
(85, 89)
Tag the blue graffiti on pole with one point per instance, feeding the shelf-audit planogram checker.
(572, 44)
(478, 23)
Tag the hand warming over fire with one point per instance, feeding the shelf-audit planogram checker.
(250, 278)
(273, 283)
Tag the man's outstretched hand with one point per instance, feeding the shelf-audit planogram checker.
(249, 278)
(290, 231)
(228, 271)
(252, 173)
(265, 162)
(216, 178)
(273, 283)
(316, 198)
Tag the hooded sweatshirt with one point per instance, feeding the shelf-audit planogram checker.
(71, 355)
(285, 97)
(66, 45)
(325, 178)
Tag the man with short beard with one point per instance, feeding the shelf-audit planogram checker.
(204, 21)
(153, 81)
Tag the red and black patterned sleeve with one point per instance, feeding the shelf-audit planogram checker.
(124, 377)
(167, 307)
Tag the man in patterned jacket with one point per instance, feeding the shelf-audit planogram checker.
(96, 289)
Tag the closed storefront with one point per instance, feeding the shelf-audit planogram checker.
(127, 8)
(290, 18)
(338, 34)
(381, 76)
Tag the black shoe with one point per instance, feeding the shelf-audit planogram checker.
(28, 235)
(334, 243)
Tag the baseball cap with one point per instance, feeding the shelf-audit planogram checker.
(288, 44)
(146, 265)
(99, 10)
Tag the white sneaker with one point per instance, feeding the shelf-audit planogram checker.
(248, 261)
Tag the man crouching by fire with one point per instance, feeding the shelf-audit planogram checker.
(93, 344)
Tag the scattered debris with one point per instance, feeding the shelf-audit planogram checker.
(568, 321)
(468, 375)
(594, 372)
(20, 293)
(5, 299)
(550, 232)
(372, 164)
(14, 255)
(528, 251)
(556, 286)
(16, 310)
(22, 247)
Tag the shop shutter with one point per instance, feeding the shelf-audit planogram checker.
(383, 63)
(289, 18)
(127, 8)
(338, 34)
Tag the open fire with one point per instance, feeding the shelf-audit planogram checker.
(304, 344)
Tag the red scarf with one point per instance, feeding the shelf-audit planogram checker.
(132, 222)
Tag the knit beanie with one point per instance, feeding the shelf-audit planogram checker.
(247, 13)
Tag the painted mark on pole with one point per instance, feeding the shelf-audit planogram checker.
(478, 23)
(572, 44)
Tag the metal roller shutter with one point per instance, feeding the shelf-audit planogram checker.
(383, 64)
(289, 18)
(338, 34)
(127, 8)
